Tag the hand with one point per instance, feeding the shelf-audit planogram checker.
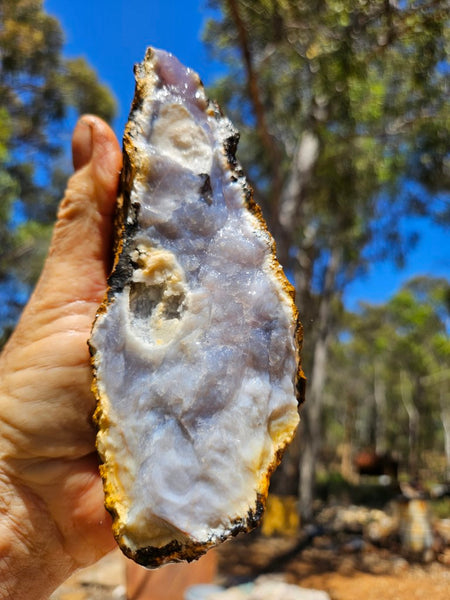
(52, 517)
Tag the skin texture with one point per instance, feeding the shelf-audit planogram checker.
(52, 517)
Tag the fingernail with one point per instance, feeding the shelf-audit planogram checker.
(82, 144)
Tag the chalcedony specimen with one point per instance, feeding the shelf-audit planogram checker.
(195, 349)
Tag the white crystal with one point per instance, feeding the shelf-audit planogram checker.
(195, 354)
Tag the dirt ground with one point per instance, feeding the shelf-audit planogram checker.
(354, 572)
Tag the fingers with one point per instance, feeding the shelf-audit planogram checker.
(94, 145)
(97, 160)
(45, 367)
(79, 257)
(48, 355)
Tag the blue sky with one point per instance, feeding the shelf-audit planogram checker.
(113, 35)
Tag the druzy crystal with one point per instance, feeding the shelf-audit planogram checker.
(196, 347)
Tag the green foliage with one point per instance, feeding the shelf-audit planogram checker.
(344, 123)
(366, 79)
(408, 335)
(40, 92)
(332, 487)
(440, 508)
(84, 92)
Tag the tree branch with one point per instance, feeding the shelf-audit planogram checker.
(258, 107)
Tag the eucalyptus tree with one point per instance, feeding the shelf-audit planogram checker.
(341, 106)
(39, 90)
(389, 387)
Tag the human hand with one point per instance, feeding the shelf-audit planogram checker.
(52, 516)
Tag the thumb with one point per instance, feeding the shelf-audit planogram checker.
(78, 261)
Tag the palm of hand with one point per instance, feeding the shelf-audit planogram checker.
(47, 453)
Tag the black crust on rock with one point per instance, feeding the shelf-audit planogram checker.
(230, 146)
(126, 218)
(153, 557)
(300, 381)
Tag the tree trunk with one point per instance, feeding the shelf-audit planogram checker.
(268, 141)
(379, 392)
(312, 411)
(307, 480)
(348, 469)
(445, 418)
(441, 378)
(311, 430)
(367, 429)
(413, 424)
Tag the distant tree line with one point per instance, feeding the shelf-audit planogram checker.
(388, 386)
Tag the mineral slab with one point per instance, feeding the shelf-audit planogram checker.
(195, 349)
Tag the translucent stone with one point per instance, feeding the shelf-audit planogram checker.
(196, 347)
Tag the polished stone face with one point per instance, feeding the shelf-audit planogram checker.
(195, 354)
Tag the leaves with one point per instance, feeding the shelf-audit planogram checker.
(402, 342)
(84, 92)
(364, 83)
(39, 91)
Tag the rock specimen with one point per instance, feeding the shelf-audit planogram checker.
(195, 349)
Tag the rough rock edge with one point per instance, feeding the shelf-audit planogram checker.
(121, 272)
